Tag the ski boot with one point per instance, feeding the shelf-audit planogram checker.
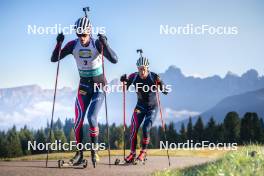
(95, 157)
(78, 159)
(76, 162)
(75, 156)
(131, 158)
(142, 157)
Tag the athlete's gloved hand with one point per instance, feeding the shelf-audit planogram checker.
(165, 92)
(123, 78)
(103, 39)
(60, 38)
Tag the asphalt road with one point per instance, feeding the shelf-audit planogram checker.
(154, 163)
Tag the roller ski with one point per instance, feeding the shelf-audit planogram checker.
(130, 159)
(76, 162)
(94, 157)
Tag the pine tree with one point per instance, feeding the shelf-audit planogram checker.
(68, 125)
(102, 134)
(25, 136)
(246, 130)
(40, 138)
(198, 130)
(183, 133)
(116, 136)
(220, 133)
(3, 145)
(154, 138)
(72, 135)
(161, 133)
(13, 143)
(171, 133)
(58, 124)
(59, 135)
(232, 127)
(262, 131)
(256, 123)
(250, 131)
(190, 129)
(119, 142)
(210, 130)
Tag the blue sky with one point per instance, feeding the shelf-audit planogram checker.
(25, 59)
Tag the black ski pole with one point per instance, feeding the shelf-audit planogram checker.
(124, 116)
(162, 122)
(53, 106)
(106, 113)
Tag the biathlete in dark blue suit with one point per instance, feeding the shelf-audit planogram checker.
(146, 84)
(87, 53)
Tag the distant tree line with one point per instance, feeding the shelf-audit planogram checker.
(245, 130)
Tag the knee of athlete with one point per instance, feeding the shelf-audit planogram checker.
(92, 121)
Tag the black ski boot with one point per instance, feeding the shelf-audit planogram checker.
(94, 157)
(74, 158)
(78, 158)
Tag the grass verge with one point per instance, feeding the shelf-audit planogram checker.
(246, 161)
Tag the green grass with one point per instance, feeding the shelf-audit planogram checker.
(151, 152)
(235, 163)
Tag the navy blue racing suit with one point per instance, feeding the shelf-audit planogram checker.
(89, 62)
(146, 108)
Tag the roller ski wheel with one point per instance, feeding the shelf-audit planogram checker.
(130, 159)
(60, 163)
(124, 162)
(117, 161)
(83, 164)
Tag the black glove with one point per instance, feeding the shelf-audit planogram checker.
(165, 92)
(102, 38)
(123, 78)
(60, 38)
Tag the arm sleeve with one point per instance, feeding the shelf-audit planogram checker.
(68, 48)
(161, 84)
(108, 52)
(130, 79)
